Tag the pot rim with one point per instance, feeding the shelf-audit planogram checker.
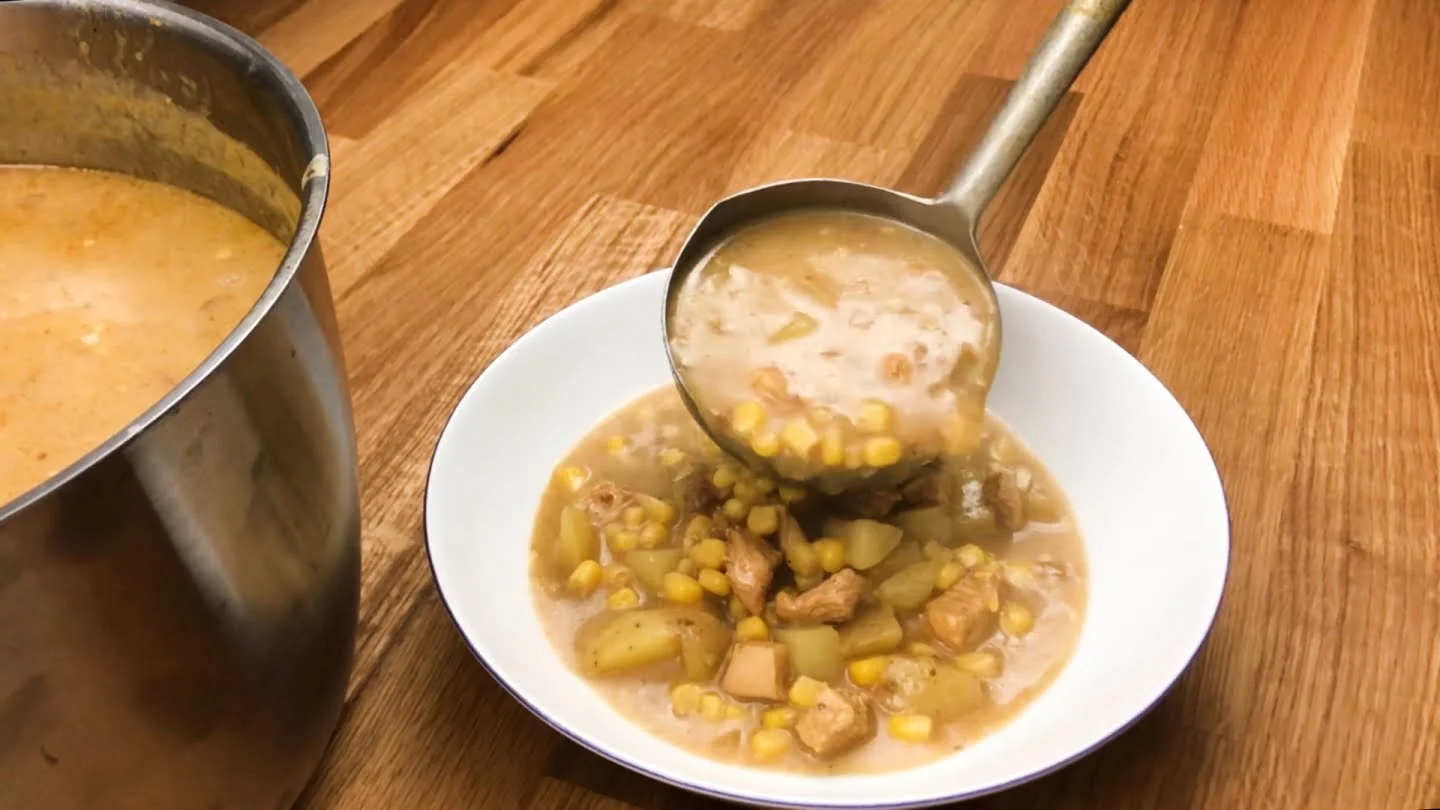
(277, 80)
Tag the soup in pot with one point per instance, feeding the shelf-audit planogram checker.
(112, 290)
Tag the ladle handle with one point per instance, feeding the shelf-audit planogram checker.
(1072, 39)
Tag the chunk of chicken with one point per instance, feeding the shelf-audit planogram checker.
(758, 670)
(1002, 493)
(750, 566)
(966, 614)
(871, 504)
(606, 501)
(833, 600)
(839, 722)
(701, 496)
(930, 488)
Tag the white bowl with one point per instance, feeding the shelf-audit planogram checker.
(1142, 483)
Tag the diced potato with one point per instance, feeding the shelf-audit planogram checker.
(577, 542)
(806, 691)
(814, 651)
(910, 587)
(978, 523)
(798, 326)
(1041, 506)
(876, 631)
(651, 565)
(867, 542)
(704, 640)
(620, 642)
(922, 685)
(930, 523)
(907, 553)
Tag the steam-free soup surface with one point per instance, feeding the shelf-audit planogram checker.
(112, 290)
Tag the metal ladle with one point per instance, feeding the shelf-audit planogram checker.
(953, 216)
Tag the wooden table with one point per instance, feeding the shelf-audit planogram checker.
(1244, 195)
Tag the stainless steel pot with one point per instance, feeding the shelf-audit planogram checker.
(178, 608)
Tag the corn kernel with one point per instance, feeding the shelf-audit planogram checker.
(658, 510)
(766, 445)
(920, 648)
(854, 457)
(616, 445)
(672, 457)
(572, 478)
(765, 485)
(882, 451)
(714, 582)
(624, 540)
(1016, 619)
(970, 555)
(763, 519)
(623, 599)
(803, 559)
(798, 326)
(687, 567)
(724, 476)
(799, 436)
(682, 589)
(633, 517)
(654, 535)
(981, 663)
(806, 691)
(708, 553)
(875, 417)
(585, 578)
(747, 417)
(739, 613)
(769, 744)
(752, 628)
(866, 672)
(831, 553)
(789, 493)
(617, 576)
(948, 575)
(612, 529)
(735, 712)
(832, 446)
(685, 699)
(782, 717)
(746, 491)
(911, 727)
(712, 706)
(699, 527)
(735, 509)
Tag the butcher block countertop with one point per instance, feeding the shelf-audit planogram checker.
(1245, 195)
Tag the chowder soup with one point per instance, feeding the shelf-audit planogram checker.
(112, 290)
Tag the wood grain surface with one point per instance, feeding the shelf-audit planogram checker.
(1245, 195)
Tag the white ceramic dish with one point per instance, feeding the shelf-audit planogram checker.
(1140, 478)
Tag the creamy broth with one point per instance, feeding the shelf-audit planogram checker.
(112, 290)
(651, 489)
(835, 343)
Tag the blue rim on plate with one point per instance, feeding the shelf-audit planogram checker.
(752, 801)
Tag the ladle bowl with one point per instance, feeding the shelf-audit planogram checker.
(953, 216)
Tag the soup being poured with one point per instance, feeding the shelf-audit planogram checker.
(836, 344)
(112, 290)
